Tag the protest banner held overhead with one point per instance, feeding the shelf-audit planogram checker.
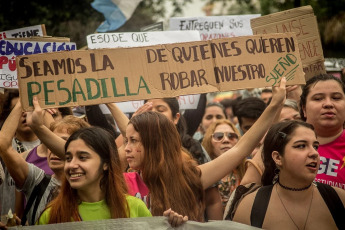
(137, 39)
(9, 49)
(303, 22)
(124, 74)
(213, 27)
(31, 31)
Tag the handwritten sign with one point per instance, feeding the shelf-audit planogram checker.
(213, 27)
(32, 31)
(137, 39)
(303, 22)
(126, 74)
(9, 49)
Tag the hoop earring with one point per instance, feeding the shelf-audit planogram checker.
(276, 175)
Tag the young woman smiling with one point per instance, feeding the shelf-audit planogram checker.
(94, 187)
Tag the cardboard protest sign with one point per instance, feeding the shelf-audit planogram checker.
(9, 49)
(125, 74)
(303, 22)
(42, 39)
(212, 27)
(136, 39)
(31, 31)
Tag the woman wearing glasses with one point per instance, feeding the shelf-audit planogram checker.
(214, 111)
(221, 136)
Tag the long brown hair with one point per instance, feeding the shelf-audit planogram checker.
(207, 142)
(171, 175)
(64, 208)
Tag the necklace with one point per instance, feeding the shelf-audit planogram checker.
(293, 189)
(305, 223)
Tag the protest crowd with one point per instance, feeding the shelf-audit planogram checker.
(271, 156)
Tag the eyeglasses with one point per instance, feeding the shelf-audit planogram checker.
(219, 136)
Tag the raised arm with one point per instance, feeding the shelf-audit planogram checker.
(16, 165)
(52, 141)
(254, 170)
(120, 118)
(228, 161)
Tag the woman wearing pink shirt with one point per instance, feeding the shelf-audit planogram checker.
(323, 105)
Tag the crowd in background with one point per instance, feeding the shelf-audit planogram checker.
(214, 162)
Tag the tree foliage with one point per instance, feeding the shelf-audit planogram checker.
(76, 19)
(330, 16)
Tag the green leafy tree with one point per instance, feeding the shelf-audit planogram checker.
(76, 19)
(330, 16)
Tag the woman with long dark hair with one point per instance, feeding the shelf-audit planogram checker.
(93, 187)
(289, 198)
(173, 179)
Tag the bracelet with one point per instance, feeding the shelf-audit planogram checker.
(254, 164)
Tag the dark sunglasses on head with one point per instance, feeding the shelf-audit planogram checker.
(219, 136)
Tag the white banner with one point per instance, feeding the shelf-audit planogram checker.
(25, 32)
(212, 27)
(137, 39)
(149, 223)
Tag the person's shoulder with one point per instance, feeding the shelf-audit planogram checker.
(44, 218)
(341, 194)
(242, 214)
(134, 201)
(137, 207)
(250, 197)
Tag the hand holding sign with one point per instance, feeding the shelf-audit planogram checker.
(144, 108)
(279, 93)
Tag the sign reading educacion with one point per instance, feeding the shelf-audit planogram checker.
(9, 49)
(123, 74)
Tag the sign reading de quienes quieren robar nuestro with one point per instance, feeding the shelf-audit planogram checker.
(124, 74)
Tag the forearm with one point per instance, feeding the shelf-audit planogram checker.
(229, 160)
(254, 170)
(52, 141)
(9, 127)
(120, 118)
(15, 164)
